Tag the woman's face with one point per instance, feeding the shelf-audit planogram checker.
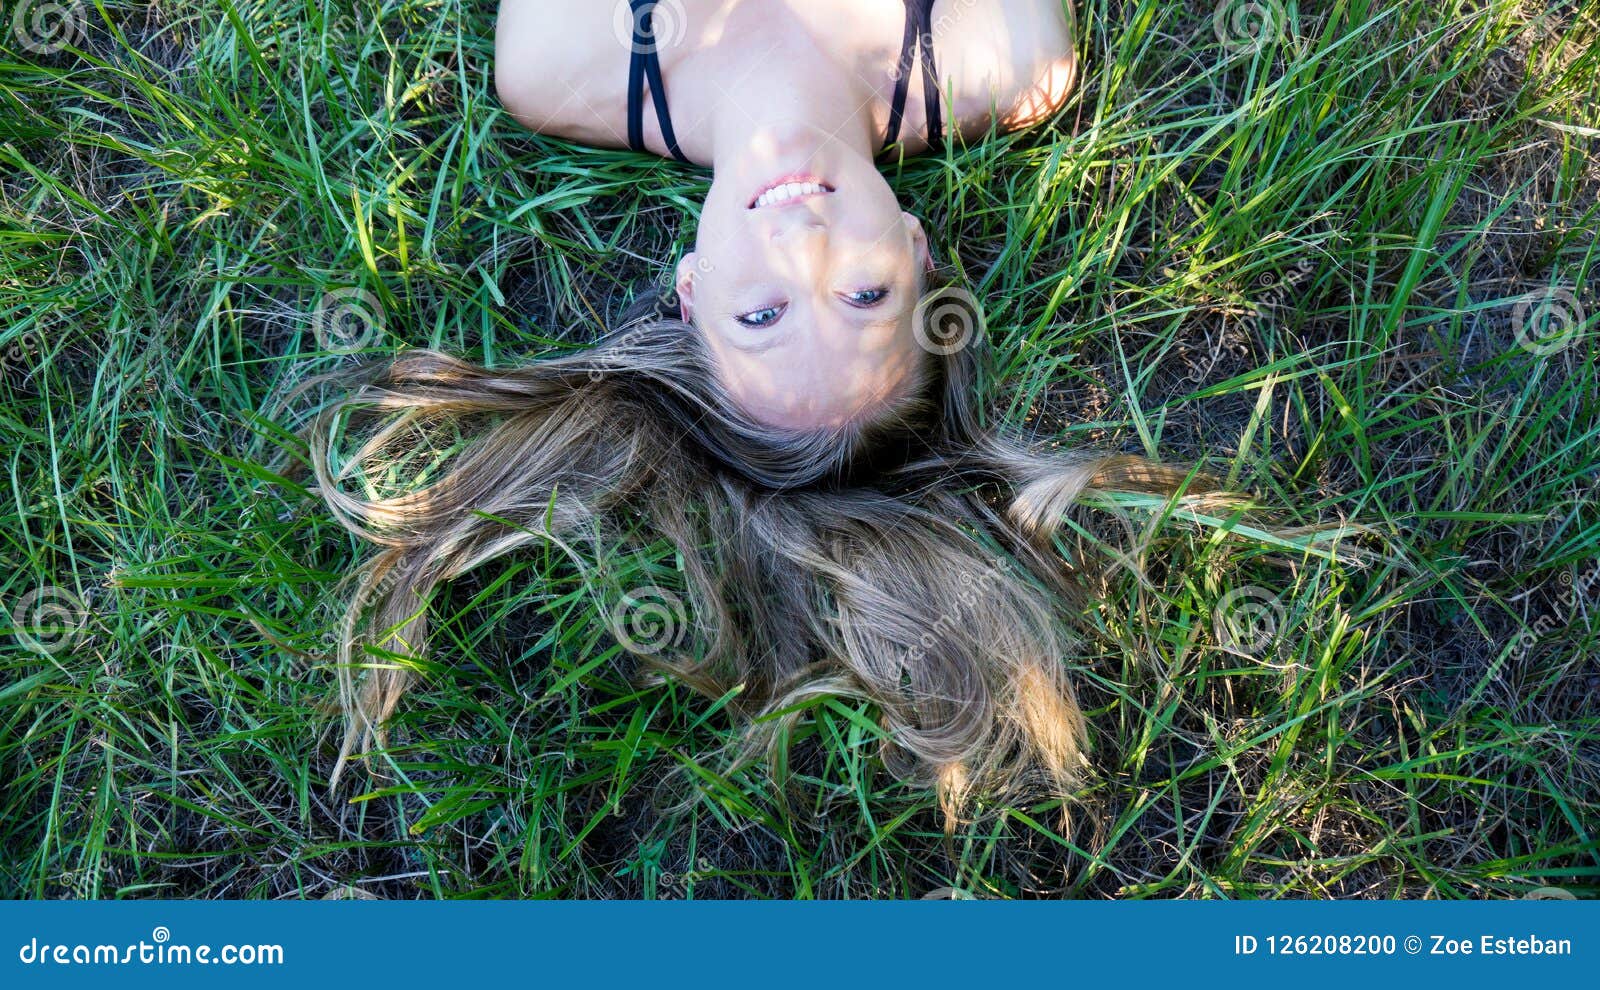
(804, 279)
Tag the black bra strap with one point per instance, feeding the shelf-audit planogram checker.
(930, 79)
(918, 40)
(643, 66)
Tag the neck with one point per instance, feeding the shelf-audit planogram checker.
(779, 102)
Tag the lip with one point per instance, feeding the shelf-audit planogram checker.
(782, 180)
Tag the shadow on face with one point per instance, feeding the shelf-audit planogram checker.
(805, 283)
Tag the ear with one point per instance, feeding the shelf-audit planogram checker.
(919, 241)
(687, 266)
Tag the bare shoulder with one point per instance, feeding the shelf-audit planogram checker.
(561, 67)
(1011, 60)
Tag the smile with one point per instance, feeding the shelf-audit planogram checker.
(789, 189)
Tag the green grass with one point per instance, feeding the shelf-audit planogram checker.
(1300, 264)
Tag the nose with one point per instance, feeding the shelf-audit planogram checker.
(803, 225)
(801, 241)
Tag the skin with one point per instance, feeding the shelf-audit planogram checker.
(806, 305)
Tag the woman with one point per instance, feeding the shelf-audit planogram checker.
(805, 273)
(845, 523)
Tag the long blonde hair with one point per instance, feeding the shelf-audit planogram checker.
(909, 560)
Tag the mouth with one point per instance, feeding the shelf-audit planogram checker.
(788, 190)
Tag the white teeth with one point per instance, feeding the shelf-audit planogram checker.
(787, 191)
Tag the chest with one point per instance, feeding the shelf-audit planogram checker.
(572, 58)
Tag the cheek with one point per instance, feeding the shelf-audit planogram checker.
(722, 256)
(883, 340)
(722, 220)
(901, 358)
(877, 219)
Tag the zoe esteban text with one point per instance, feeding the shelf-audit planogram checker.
(1499, 945)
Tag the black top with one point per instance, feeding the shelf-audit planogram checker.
(644, 66)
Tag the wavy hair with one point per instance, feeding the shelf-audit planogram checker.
(909, 559)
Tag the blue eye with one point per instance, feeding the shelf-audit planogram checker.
(867, 297)
(766, 316)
